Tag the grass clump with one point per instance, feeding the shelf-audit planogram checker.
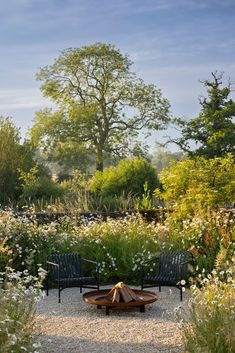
(211, 324)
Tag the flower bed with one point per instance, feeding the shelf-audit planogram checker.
(18, 295)
(120, 246)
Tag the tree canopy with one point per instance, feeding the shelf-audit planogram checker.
(213, 130)
(101, 105)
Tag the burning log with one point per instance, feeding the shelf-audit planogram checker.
(122, 293)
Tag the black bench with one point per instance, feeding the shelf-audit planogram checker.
(169, 270)
(71, 270)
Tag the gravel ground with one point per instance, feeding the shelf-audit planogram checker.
(76, 327)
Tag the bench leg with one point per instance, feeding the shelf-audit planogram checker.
(47, 287)
(58, 294)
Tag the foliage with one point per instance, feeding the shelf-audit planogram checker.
(77, 198)
(211, 325)
(118, 245)
(10, 160)
(145, 201)
(193, 185)
(36, 187)
(17, 301)
(129, 176)
(214, 128)
(210, 237)
(13, 157)
(116, 203)
(102, 105)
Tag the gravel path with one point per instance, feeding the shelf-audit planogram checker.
(76, 327)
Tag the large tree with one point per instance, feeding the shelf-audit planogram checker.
(213, 130)
(101, 105)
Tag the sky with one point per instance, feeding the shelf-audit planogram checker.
(173, 44)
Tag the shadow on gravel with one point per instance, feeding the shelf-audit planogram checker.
(54, 344)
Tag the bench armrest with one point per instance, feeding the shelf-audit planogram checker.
(53, 264)
(191, 259)
(185, 262)
(90, 261)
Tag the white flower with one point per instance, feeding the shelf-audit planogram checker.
(13, 339)
(182, 282)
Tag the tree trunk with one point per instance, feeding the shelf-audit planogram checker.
(99, 160)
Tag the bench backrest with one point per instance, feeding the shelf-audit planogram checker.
(70, 265)
(174, 265)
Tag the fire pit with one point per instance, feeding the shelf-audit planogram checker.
(120, 296)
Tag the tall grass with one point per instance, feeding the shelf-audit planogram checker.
(80, 202)
(211, 324)
(119, 245)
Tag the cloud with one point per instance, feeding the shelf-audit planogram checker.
(21, 98)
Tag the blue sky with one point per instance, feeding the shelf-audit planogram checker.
(173, 43)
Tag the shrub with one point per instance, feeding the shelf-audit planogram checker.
(192, 186)
(129, 176)
(36, 187)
